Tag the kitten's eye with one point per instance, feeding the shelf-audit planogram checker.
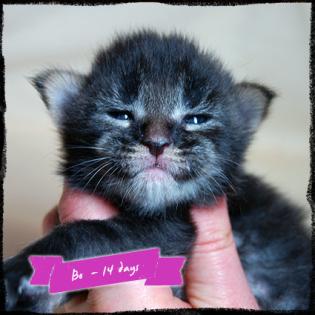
(121, 115)
(196, 119)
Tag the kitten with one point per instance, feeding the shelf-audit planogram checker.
(156, 126)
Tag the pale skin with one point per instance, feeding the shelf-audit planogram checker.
(214, 279)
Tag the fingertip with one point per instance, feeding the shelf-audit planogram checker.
(212, 224)
(50, 220)
(78, 205)
(217, 209)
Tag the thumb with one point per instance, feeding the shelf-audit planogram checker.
(215, 277)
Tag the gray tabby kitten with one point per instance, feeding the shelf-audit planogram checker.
(156, 126)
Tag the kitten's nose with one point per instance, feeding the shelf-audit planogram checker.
(157, 145)
(156, 135)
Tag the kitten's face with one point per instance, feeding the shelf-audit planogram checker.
(160, 146)
(155, 123)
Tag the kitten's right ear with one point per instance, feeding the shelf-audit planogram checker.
(57, 88)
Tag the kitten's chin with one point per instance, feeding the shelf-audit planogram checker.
(154, 189)
(154, 181)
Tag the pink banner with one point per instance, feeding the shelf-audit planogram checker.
(63, 276)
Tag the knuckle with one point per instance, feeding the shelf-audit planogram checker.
(215, 241)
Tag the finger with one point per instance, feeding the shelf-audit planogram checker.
(134, 296)
(77, 304)
(51, 219)
(215, 275)
(130, 296)
(76, 205)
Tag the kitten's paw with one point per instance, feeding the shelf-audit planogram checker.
(20, 294)
(179, 292)
(14, 271)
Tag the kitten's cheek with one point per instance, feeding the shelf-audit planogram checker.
(75, 205)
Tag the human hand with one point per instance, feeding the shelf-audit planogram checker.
(214, 278)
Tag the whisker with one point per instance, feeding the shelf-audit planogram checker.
(106, 164)
(227, 160)
(129, 189)
(203, 189)
(85, 147)
(98, 169)
(102, 177)
(221, 175)
(86, 162)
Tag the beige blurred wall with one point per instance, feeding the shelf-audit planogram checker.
(268, 43)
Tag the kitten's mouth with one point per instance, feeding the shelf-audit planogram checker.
(158, 165)
(162, 168)
(156, 172)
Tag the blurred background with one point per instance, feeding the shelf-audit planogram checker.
(267, 43)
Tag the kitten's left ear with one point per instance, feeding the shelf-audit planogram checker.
(255, 100)
(57, 88)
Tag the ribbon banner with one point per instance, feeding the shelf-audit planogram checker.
(75, 275)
